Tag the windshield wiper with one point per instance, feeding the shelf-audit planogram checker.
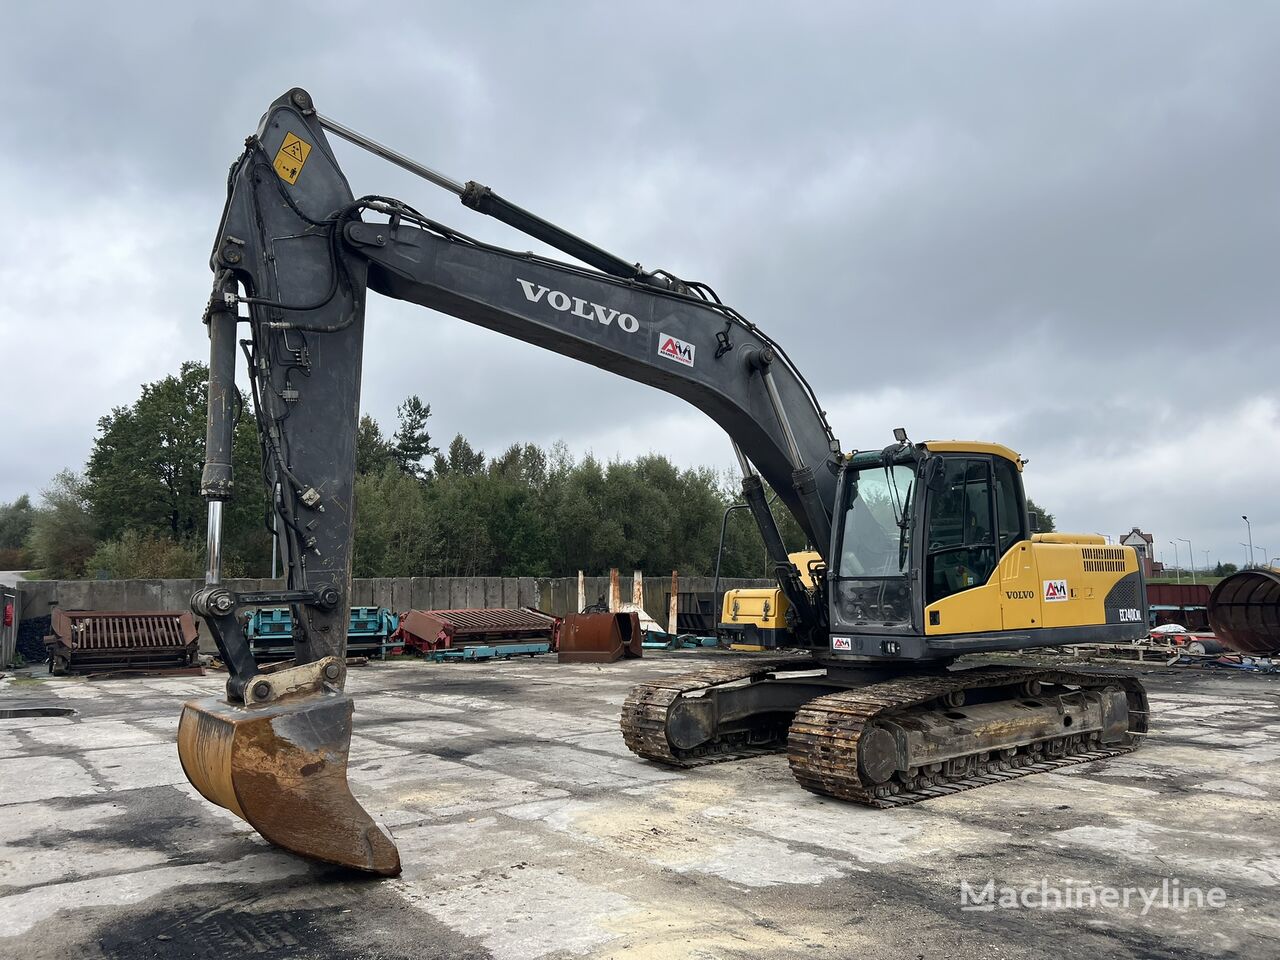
(901, 513)
(904, 525)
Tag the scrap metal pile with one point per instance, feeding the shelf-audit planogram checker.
(369, 633)
(109, 641)
(478, 634)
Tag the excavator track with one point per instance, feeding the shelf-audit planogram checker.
(645, 714)
(828, 733)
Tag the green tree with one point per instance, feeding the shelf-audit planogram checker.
(61, 539)
(460, 503)
(138, 555)
(1047, 524)
(744, 553)
(395, 529)
(411, 444)
(144, 470)
(584, 535)
(15, 522)
(460, 458)
(373, 451)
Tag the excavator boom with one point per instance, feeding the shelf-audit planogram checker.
(295, 249)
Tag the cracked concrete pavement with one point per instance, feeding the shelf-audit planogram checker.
(528, 831)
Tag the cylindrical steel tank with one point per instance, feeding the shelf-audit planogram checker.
(1244, 611)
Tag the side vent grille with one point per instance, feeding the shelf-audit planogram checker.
(1098, 559)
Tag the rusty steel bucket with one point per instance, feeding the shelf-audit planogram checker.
(281, 767)
(1244, 611)
(600, 637)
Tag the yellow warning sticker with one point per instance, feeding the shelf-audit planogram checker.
(290, 157)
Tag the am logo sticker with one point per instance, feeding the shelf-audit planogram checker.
(673, 348)
(1056, 590)
(842, 643)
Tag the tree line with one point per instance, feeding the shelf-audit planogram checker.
(135, 509)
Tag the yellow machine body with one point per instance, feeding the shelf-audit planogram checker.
(1051, 580)
(756, 617)
(986, 585)
(976, 571)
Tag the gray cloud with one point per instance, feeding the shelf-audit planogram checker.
(1041, 223)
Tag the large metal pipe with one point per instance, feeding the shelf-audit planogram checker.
(1244, 611)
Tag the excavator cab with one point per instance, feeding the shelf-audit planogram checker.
(934, 555)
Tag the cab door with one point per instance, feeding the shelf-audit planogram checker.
(1019, 578)
(962, 582)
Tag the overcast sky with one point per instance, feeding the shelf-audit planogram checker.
(1054, 225)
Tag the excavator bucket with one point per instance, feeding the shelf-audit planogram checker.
(282, 768)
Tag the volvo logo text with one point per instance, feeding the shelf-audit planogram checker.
(559, 300)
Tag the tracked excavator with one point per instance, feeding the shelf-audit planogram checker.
(921, 552)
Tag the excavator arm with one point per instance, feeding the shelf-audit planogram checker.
(300, 252)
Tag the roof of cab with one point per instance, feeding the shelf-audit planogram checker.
(866, 458)
(973, 446)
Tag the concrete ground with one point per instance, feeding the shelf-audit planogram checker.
(528, 831)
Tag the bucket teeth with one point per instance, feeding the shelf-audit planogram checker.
(282, 768)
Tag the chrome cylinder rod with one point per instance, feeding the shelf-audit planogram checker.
(399, 159)
(775, 401)
(213, 571)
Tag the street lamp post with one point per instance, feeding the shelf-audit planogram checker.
(1246, 554)
(1263, 550)
(1176, 569)
(1191, 555)
(1249, 527)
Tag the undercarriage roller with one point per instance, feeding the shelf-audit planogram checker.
(886, 740)
(281, 766)
(719, 713)
(898, 742)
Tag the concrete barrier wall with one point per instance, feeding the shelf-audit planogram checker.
(558, 596)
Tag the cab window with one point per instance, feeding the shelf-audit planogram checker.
(961, 535)
(1008, 505)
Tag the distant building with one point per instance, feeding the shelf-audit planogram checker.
(1142, 542)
